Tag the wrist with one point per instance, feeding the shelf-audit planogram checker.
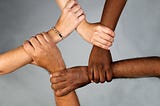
(84, 69)
(54, 36)
(62, 30)
(82, 26)
(58, 66)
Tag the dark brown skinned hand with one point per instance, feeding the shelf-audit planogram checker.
(100, 59)
(63, 82)
(99, 65)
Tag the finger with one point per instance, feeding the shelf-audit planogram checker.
(81, 17)
(99, 44)
(96, 74)
(79, 13)
(55, 80)
(76, 8)
(109, 75)
(47, 37)
(41, 39)
(100, 40)
(34, 41)
(65, 91)
(58, 74)
(108, 31)
(70, 4)
(28, 47)
(101, 73)
(106, 37)
(90, 69)
(60, 85)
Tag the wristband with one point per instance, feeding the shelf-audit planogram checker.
(56, 31)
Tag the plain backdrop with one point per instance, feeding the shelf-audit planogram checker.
(137, 35)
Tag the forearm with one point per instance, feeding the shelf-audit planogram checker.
(70, 99)
(61, 3)
(111, 12)
(13, 60)
(134, 68)
(110, 16)
(16, 58)
(138, 67)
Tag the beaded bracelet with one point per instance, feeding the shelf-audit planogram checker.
(56, 31)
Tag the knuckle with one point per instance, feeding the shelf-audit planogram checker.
(109, 44)
(69, 11)
(52, 86)
(101, 46)
(95, 32)
(92, 40)
(78, 6)
(113, 34)
(100, 66)
(81, 11)
(51, 80)
(111, 39)
(54, 80)
(39, 36)
(98, 27)
(65, 10)
(73, 1)
(32, 38)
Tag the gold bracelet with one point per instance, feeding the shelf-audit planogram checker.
(56, 31)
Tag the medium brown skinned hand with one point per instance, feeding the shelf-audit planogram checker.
(64, 82)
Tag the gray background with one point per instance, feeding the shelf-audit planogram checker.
(137, 34)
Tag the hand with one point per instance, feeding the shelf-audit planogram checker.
(43, 51)
(100, 65)
(71, 16)
(63, 82)
(97, 34)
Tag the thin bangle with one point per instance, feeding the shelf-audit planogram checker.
(56, 31)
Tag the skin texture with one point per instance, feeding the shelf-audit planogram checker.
(46, 54)
(65, 20)
(7, 60)
(42, 49)
(66, 81)
(94, 33)
(100, 60)
(73, 78)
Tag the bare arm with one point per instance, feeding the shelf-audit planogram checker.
(137, 67)
(47, 55)
(94, 33)
(64, 100)
(17, 57)
(76, 77)
(100, 60)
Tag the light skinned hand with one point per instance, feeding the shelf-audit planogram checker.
(43, 51)
(97, 34)
(70, 18)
